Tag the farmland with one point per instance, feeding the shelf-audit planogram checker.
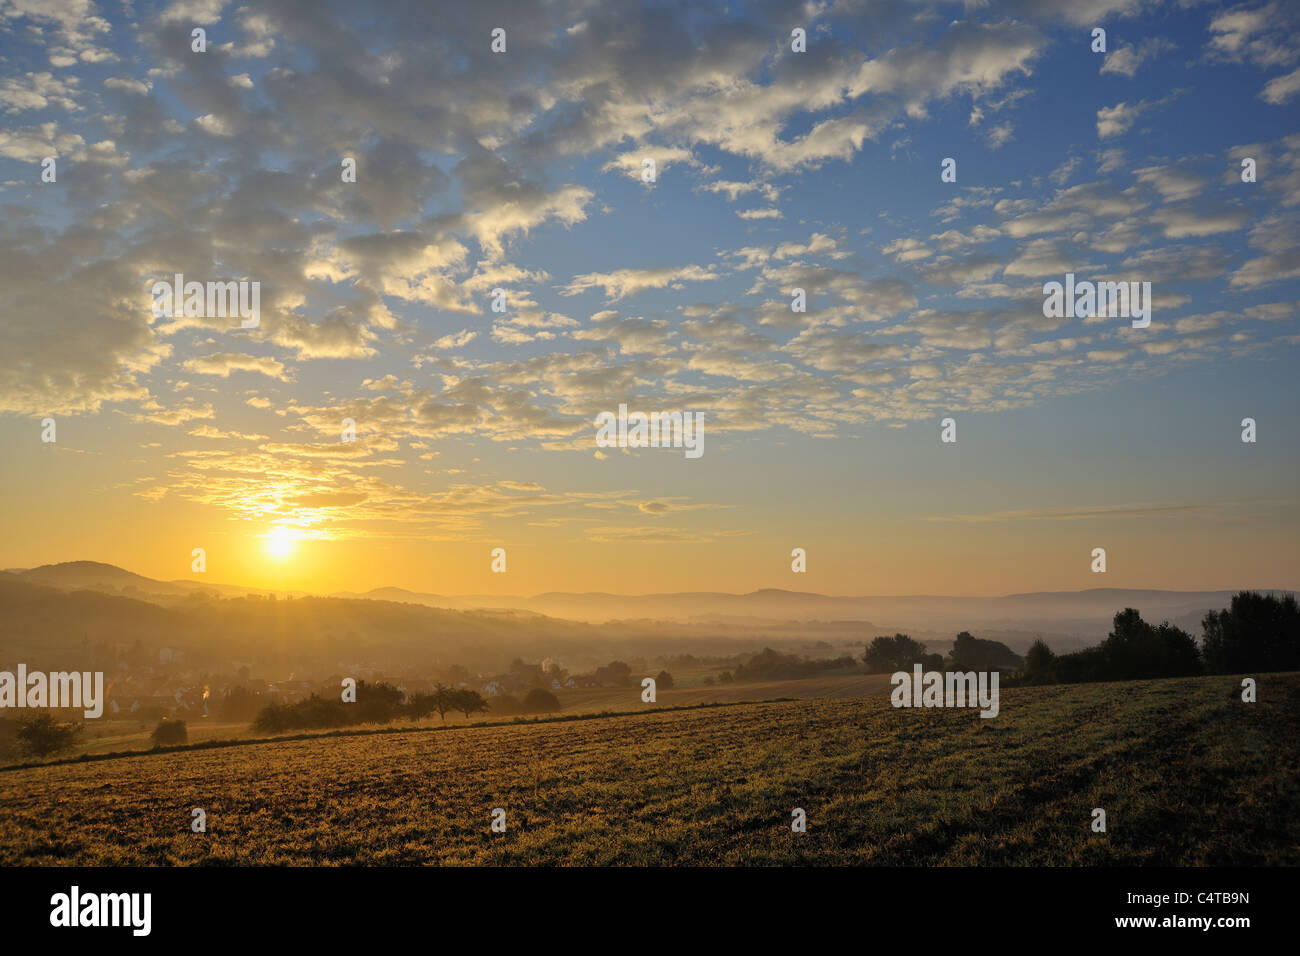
(123, 734)
(1187, 773)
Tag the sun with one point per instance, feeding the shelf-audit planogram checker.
(279, 543)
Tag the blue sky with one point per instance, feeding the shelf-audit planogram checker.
(775, 170)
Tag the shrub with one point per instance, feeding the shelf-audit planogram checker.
(41, 735)
(169, 733)
(539, 701)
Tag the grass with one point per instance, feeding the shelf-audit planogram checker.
(115, 736)
(1188, 775)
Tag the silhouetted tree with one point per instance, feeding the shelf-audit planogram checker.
(468, 702)
(1137, 650)
(41, 735)
(886, 655)
(420, 705)
(1258, 632)
(169, 733)
(1040, 664)
(442, 700)
(377, 703)
(615, 673)
(971, 653)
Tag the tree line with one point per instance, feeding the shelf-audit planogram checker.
(1257, 633)
(887, 655)
(382, 703)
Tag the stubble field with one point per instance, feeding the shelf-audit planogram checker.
(1186, 772)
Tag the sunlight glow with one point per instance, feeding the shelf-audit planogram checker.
(279, 543)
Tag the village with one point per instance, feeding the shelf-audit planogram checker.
(171, 686)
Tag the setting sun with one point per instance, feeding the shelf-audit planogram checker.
(279, 543)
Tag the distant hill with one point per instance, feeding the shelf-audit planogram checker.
(109, 578)
(1065, 618)
(95, 576)
(1080, 614)
(48, 627)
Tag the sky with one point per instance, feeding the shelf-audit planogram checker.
(774, 170)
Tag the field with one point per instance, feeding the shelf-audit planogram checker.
(1187, 774)
(114, 735)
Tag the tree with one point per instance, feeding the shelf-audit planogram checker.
(273, 718)
(615, 673)
(1040, 663)
(1136, 650)
(377, 703)
(888, 655)
(1258, 632)
(41, 735)
(420, 705)
(971, 653)
(442, 700)
(468, 702)
(170, 733)
(664, 681)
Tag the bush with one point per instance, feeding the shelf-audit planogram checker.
(539, 701)
(768, 664)
(664, 681)
(41, 735)
(375, 703)
(274, 718)
(168, 733)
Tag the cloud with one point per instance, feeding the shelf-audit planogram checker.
(223, 363)
(1073, 513)
(1118, 119)
(627, 282)
(1281, 89)
(1126, 60)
